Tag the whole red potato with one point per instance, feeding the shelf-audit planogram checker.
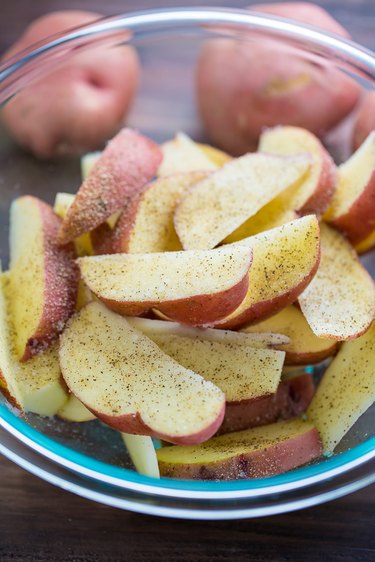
(244, 87)
(80, 105)
(365, 121)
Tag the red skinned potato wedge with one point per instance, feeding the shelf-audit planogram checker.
(365, 120)
(267, 84)
(352, 209)
(339, 303)
(196, 287)
(312, 195)
(242, 372)
(34, 385)
(43, 276)
(252, 453)
(285, 260)
(127, 382)
(129, 161)
(346, 390)
(304, 347)
(290, 400)
(82, 103)
(146, 223)
(214, 207)
(316, 193)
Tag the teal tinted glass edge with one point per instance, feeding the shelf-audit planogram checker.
(92, 464)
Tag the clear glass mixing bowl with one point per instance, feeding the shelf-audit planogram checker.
(88, 458)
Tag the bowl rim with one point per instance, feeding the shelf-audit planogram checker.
(344, 52)
(311, 39)
(131, 480)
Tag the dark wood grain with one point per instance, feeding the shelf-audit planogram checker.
(43, 524)
(40, 523)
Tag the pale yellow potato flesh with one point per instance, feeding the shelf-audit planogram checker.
(142, 453)
(165, 276)
(234, 444)
(346, 390)
(182, 154)
(366, 244)
(294, 140)
(303, 343)
(274, 214)
(353, 177)
(74, 411)
(339, 303)
(118, 373)
(87, 162)
(155, 328)
(241, 372)
(219, 204)
(282, 258)
(26, 272)
(153, 229)
(35, 385)
(218, 157)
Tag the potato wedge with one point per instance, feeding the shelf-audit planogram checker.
(240, 371)
(43, 276)
(195, 287)
(352, 209)
(304, 347)
(254, 453)
(339, 303)
(146, 223)
(315, 193)
(123, 169)
(291, 399)
(285, 260)
(346, 390)
(127, 382)
(142, 453)
(219, 204)
(35, 385)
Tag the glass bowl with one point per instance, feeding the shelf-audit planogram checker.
(89, 458)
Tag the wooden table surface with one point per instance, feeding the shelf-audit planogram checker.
(41, 523)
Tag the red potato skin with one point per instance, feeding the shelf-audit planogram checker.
(365, 120)
(319, 201)
(133, 423)
(199, 310)
(61, 276)
(276, 459)
(129, 161)
(291, 400)
(107, 241)
(359, 220)
(295, 359)
(79, 106)
(243, 88)
(5, 392)
(264, 309)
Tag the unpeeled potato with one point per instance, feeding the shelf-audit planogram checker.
(365, 121)
(81, 104)
(244, 87)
